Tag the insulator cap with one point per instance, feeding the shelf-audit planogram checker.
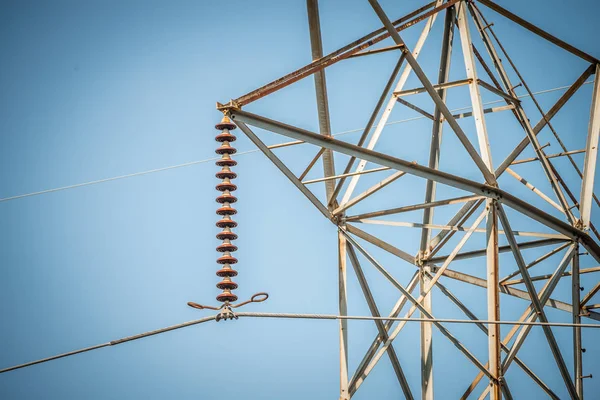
(226, 173)
(226, 234)
(226, 271)
(226, 161)
(225, 148)
(225, 137)
(226, 247)
(226, 185)
(226, 223)
(226, 211)
(227, 296)
(226, 197)
(227, 259)
(227, 284)
(225, 123)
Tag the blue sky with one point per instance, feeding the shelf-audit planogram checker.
(93, 89)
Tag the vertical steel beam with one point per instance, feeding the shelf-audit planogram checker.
(537, 305)
(343, 323)
(434, 159)
(493, 301)
(577, 359)
(316, 46)
(493, 296)
(471, 70)
(591, 154)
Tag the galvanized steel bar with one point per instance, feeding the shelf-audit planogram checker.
(575, 301)
(481, 326)
(545, 119)
(420, 300)
(316, 45)
(414, 207)
(427, 173)
(501, 249)
(343, 311)
(439, 86)
(426, 330)
(362, 280)
(379, 339)
(591, 155)
(415, 108)
(441, 327)
(564, 153)
(537, 305)
(370, 191)
(535, 262)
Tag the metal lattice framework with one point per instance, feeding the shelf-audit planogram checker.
(484, 199)
(562, 215)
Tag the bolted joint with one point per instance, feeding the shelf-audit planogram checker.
(225, 314)
(227, 107)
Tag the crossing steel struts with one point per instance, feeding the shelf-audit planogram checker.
(226, 223)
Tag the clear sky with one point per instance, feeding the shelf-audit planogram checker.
(96, 89)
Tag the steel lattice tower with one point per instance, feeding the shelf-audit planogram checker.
(466, 180)
(489, 69)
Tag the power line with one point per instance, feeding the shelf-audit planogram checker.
(152, 171)
(296, 316)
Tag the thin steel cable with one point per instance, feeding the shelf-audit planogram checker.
(151, 171)
(112, 343)
(295, 316)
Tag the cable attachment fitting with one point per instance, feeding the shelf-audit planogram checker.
(226, 313)
(226, 223)
(226, 309)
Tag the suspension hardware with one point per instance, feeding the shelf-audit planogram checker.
(226, 223)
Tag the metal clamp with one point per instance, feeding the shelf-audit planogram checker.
(226, 309)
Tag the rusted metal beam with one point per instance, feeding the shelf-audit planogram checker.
(439, 86)
(336, 56)
(413, 107)
(532, 28)
(499, 92)
(376, 51)
(527, 160)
